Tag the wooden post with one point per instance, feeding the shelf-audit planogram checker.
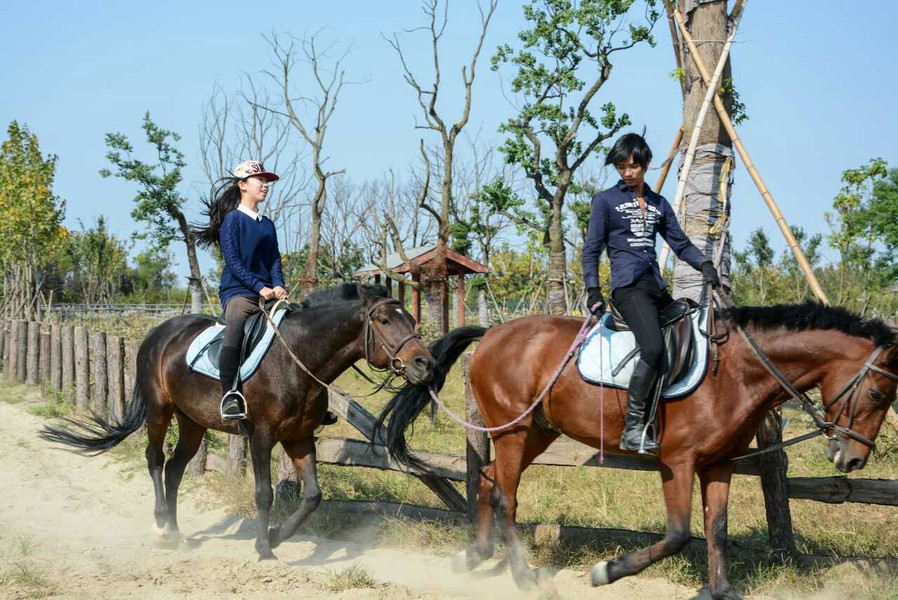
(750, 166)
(444, 305)
(131, 347)
(56, 356)
(68, 359)
(82, 368)
(401, 292)
(416, 299)
(460, 299)
(197, 464)
(13, 362)
(389, 285)
(477, 448)
(773, 483)
(22, 346)
(45, 358)
(377, 279)
(3, 339)
(100, 374)
(34, 352)
(115, 353)
(236, 465)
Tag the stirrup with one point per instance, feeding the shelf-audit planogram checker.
(651, 439)
(239, 403)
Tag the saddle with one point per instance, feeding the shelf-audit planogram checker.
(253, 330)
(679, 337)
(203, 354)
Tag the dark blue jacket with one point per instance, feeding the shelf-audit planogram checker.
(616, 222)
(251, 256)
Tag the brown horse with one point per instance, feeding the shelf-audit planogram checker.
(329, 332)
(813, 345)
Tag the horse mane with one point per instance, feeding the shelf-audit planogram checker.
(342, 292)
(812, 315)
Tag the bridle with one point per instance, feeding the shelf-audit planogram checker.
(826, 428)
(374, 338)
(850, 401)
(372, 335)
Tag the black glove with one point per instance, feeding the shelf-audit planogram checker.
(595, 301)
(710, 274)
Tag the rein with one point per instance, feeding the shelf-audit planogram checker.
(581, 337)
(824, 427)
(370, 333)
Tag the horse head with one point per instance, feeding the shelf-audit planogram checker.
(391, 341)
(858, 408)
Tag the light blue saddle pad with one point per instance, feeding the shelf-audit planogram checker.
(198, 361)
(614, 346)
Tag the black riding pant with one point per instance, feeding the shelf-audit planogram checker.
(236, 312)
(640, 304)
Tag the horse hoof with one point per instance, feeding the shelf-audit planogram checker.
(526, 579)
(267, 556)
(274, 537)
(460, 562)
(599, 574)
(726, 594)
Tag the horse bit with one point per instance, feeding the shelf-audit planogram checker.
(373, 336)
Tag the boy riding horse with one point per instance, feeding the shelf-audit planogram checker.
(624, 219)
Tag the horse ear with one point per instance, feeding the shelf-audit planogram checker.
(367, 293)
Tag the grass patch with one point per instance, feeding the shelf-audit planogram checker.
(352, 577)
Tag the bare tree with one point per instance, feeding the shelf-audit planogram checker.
(437, 18)
(329, 79)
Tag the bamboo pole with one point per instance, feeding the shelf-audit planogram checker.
(750, 167)
(710, 94)
(665, 167)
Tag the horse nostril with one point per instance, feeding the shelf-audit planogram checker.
(424, 362)
(855, 464)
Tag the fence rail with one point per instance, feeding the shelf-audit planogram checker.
(96, 371)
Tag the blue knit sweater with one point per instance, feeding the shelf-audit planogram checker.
(251, 256)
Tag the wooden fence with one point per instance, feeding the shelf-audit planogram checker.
(96, 372)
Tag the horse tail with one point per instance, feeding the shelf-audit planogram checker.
(97, 435)
(407, 404)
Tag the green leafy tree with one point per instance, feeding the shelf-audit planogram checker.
(152, 273)
(853, 235)
(98, 261)
(158, 202)
(31, 216)
(564, 60)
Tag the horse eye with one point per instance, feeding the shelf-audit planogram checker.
(385, 322)
(875, 395)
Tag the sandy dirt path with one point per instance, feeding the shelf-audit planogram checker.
(76, 527)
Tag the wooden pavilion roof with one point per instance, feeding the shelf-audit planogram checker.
(458, 264)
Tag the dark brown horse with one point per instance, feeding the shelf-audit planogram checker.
(813, 345)
(329, 332)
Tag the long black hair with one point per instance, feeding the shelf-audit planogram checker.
(224, 197)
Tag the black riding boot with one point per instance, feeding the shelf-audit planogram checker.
(642, 388)
(232, 404)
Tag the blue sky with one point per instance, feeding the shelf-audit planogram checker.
(819, 84)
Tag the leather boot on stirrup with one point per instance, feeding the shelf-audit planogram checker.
(642, 386)
(233, 404)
